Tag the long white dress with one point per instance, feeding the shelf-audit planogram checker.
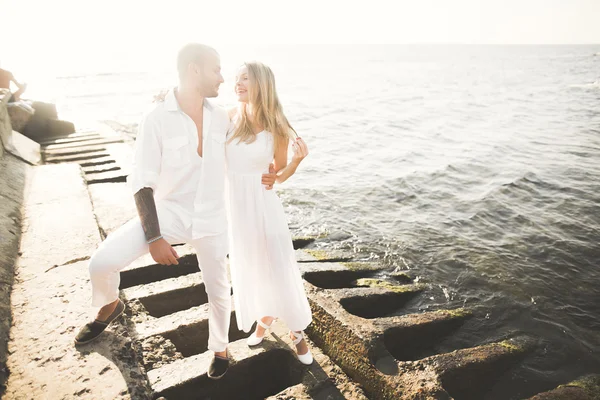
(265, 277)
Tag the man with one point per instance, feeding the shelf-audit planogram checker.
(6, 77)
(178, 179)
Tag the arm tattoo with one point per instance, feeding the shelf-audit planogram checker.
(144, 201)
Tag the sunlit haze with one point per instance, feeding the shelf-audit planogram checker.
(63, 36)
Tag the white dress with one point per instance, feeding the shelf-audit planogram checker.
(265, 277)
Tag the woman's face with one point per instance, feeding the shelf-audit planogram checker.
(242, 84)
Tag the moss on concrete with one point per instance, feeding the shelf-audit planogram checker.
(358, 265)
(372, 282)
(351, 353)
(589, 384)
(310, 238)
(457, 313)
(318, 254)
(512, 346)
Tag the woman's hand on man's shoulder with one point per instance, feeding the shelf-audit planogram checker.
(160, 97)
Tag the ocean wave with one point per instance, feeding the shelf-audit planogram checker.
(592, 85)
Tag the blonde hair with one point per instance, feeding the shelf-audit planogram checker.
(266, 108)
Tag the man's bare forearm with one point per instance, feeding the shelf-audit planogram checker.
(146, 207)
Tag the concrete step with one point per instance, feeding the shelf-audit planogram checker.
(469, 373)
(50, 153)
(104, 156)
(71, 139)
(80, 144)
(95, 163)
(168, 296)
(102, 168)
(270, 369)
(335, 275)
(113, 176)
(187, 330)
(79, 157)
(424, 331)
(169, 313)
(187, 378)
(330, 256)
(91, 131)
(144, 270)
(376, 302)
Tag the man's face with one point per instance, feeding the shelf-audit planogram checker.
(209, 76)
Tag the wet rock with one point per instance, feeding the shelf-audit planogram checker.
(19, 115)
(585, 388)
(45, 124)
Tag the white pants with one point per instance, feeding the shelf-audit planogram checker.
(128, 243)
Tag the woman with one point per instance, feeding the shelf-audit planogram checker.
(265, 277)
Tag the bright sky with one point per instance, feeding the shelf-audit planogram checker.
(61, 31)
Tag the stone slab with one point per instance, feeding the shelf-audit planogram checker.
(113, 205)
(51, 301)
(13, 173)
(25, 149)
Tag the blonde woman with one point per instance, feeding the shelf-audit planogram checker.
(265, 277)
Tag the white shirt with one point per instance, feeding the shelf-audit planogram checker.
(166, 160)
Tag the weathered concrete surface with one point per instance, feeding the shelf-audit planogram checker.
(51, 301)
(469, 373)
(25, 149)
(113, 205)
(12, 182)
(59, 226)
(586, 388)
(160, 347)
(174, 347)
(12, 141)
(252, 372)
(170, 295)
(5, 125)
(388, 355)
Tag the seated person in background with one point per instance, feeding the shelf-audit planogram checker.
(6, 77)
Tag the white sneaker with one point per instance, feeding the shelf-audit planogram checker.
(307, 357)
(253, 340)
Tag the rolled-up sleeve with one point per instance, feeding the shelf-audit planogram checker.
(145, 168)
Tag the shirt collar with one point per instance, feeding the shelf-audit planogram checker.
(171, 103)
